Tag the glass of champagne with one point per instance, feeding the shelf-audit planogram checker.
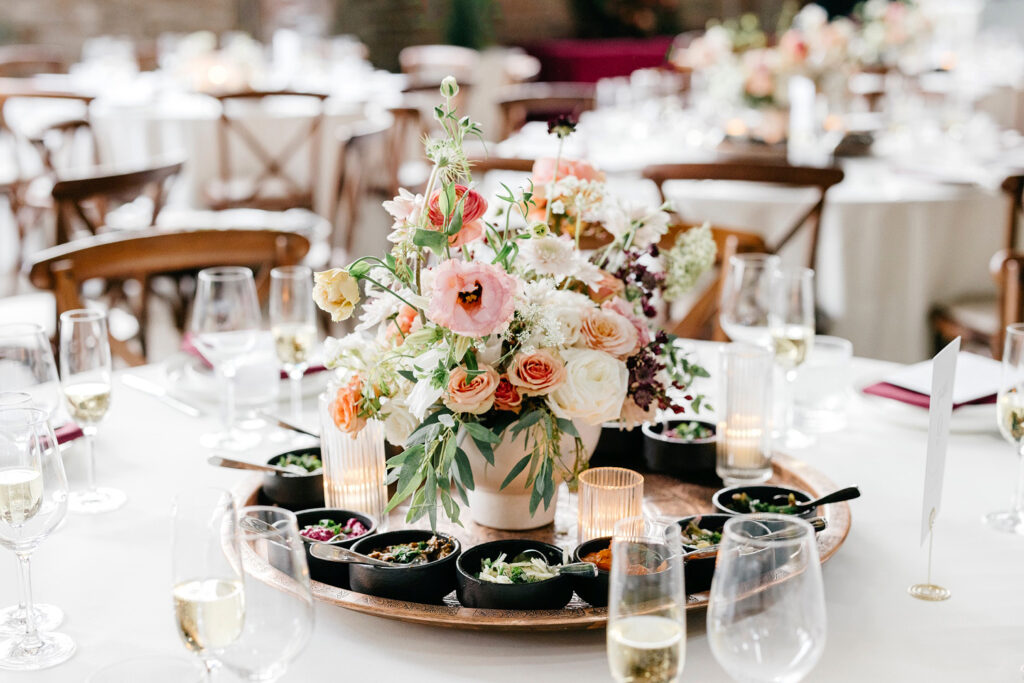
(766, 613)
(27, 364)
(85, 370)
(791, 323)
(1010, 414)
(646, 603)
(209, 597)
(225, 321)
(293, 324)
(33, 502)
(278, 595)
(745, 298)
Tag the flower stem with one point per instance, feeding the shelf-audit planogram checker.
(554, 179)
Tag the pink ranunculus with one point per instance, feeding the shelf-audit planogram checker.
(544, 170)
(472, 299)
(536, 373)
(473, 207)
(619, 305)
(609, 332)
(476, 395)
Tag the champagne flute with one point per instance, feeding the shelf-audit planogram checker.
(225, 320)
(791, 322)
(1010, 415)
(293, 324)
(27, 364)
(85, 369)
(209, 598)
(278, 596)
(33, 502)
(745, 298)
(766, 614)
(647, 602)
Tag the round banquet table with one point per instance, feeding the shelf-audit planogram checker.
(111, 573)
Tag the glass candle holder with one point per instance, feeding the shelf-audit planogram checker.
(606, 496)
(745, 429)
(354, 465)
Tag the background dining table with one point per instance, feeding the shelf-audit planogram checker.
(111, 573)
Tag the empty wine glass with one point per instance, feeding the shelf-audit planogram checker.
(746, 296)
(278, 596)
(1010, 416)
(225, 320)
(766, 613)
(293, 324)
(209, 603)
(27, 364)
(646, 602)
(33, 502)
(791, 323)
(85, 370)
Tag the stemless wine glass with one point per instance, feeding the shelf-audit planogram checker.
(746, 296)
(647, 602)
(225, 320)
(85, 370)
(1010, 415)
(209, 597)
(766, 614)
(293, 324)
(278, 596)
(27, 364)
(791, 323)
(33, 501)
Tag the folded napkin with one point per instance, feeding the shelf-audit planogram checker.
(191, 349)
(68, 432)
(891, 391)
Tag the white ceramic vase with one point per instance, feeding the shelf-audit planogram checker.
(509, 508)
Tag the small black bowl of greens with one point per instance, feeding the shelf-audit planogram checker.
(745, 500)
(700, 535)
(423, 571)
(299, 491)
(686, 449)
(337, 527)
(513, 574)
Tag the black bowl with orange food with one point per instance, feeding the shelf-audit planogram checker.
(597, 551)
(423, 571)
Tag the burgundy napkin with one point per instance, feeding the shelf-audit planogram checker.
(886, 390)
(67, 432)
(191, 349)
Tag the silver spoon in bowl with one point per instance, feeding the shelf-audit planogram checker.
(335, 553)
(220, 461)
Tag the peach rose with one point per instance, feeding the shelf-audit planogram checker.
(536, 373)
(344, 408)
(472, 299)
(506, 397)
(607, 287)
(476, 395)
(544, 170)
(625, 309)
(609, 332)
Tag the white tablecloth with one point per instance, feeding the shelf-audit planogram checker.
(111, 573)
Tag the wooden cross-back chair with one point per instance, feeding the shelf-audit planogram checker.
(142, 255)
(58, 139)
(20, 61)
(534, 101)
(766, 173)
(486, 164)
(359, 146)
(85, 200)
(229, 191)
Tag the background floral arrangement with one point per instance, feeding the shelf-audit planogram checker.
(490, 325)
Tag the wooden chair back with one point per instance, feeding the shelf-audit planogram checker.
(144, 254)
(359, 146)
(758, 172)
(428, 64)
(272, 167)
(86, 199)
(486, 164)
(57, 141)
(530, 101)
(20, 61)
(1014, 189)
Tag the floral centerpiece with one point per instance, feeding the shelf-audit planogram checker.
(490, 343)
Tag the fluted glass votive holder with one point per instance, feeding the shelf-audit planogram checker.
(745, 428)
(354, 466)
(607, 495)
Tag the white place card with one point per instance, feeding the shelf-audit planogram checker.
(976, 377)
(944, 373)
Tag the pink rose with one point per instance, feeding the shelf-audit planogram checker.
(476, 395)
(507, 397)
(609, 332)
(536, 373)
(625, 309)
(472, 299)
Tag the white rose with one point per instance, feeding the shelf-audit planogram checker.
(568, 308)
(594, 387)
(399, 423)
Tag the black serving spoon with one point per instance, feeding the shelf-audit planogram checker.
(849, 493)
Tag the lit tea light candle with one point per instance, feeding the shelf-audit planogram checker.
(607, 495)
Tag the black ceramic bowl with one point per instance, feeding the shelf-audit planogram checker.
(426, 583)
(325, 571)
(553, 593)
(763, 492)
(298, 491)
(699, 572)
(692, 461)
(618, 448)
(594, 590)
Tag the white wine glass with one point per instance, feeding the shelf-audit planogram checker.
(766, 613)
(85, 370)
(646, 602)
(209, 598)
(27, 364)
(33, 502)
(791, 324)
(225, 321)
(293, 324)
(1010, 415)
(745, 298)
(278, 596)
